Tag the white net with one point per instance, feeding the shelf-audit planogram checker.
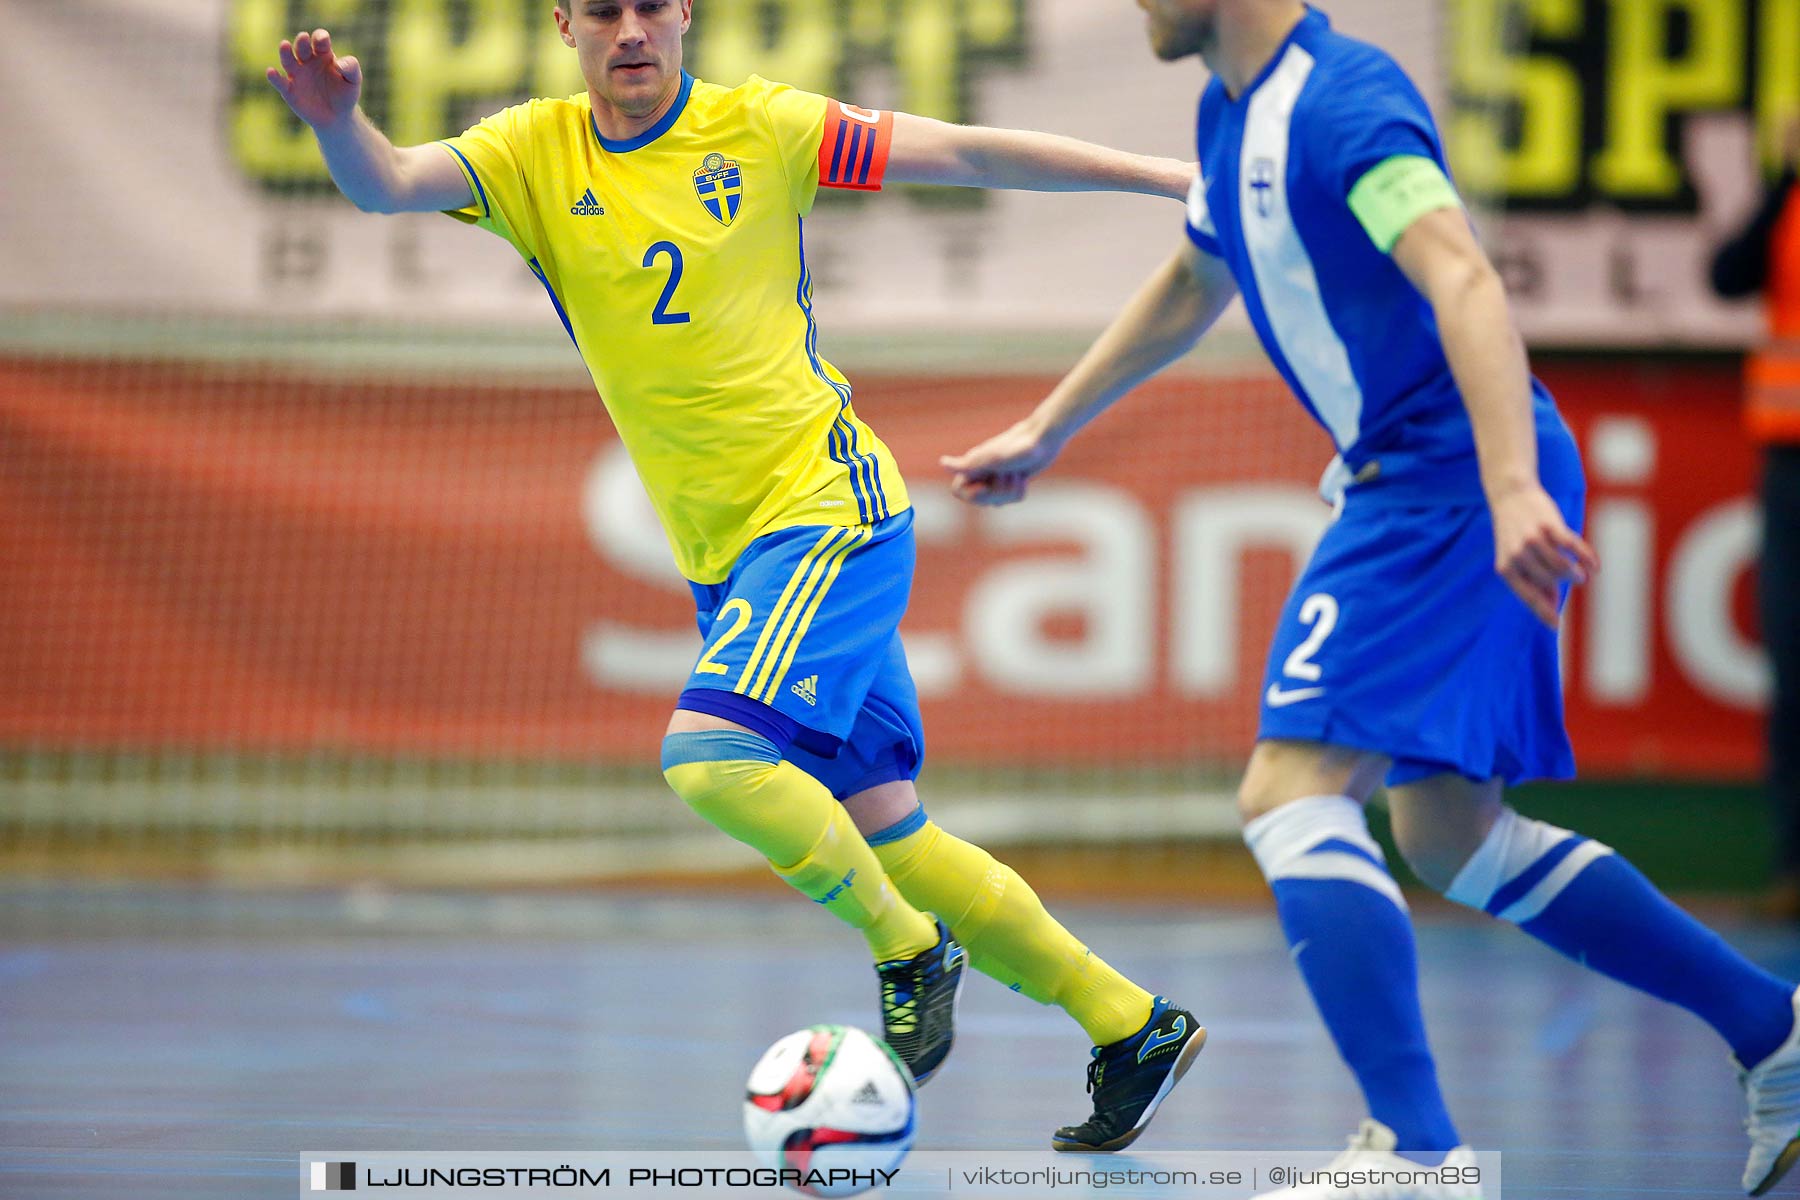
(324, 556)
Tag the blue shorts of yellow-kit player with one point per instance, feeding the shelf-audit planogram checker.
(802, 645)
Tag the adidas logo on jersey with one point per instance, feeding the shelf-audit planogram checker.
(868, 1093)
(808, 690)
(588, 206)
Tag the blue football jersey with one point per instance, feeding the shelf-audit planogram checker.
(1355, 340)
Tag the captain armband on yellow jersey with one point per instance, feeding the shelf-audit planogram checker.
(853, 154)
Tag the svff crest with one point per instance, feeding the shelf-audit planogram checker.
(720, 185)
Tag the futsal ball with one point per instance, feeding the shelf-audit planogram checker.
(832, 1108)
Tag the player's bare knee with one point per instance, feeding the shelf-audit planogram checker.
(1434, 861)
(1440, 823)
(1434, 854)
(1256, 797)
(882, 807)
(684, 720)
(1280, 773)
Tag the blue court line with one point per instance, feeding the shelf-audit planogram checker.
(1565, 1026)
(368, 1006)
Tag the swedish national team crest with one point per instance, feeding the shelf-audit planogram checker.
(720, 185)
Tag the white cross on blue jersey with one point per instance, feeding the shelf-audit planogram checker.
(1348, 331)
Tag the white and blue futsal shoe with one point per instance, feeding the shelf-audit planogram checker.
(1772, 1090)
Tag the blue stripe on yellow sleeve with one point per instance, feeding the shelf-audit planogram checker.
(863, 470)
(868, 466)
(480, 192)
(561, 312)
(846, 454)
(858, 474)
(882, 512)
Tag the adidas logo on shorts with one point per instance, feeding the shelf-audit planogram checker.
(808, 690)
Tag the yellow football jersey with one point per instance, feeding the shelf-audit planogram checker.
(677, 262)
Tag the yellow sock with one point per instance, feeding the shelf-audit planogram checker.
(737, 782)
(1008, 933)
(843, 874)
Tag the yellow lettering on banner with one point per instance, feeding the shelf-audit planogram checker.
(430, 68)
(792, 41)
(929, 54)
(865, 23)
(556, 69)
(934, 43)
(822, 46)
(256, 28)
(435, 65)
(992, 23)
(1646, 87)
(807, 43)
(1778, 74)
(1545, 90)
(265, 139)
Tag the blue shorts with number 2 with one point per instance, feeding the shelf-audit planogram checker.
(1400, 638)
(808, 624)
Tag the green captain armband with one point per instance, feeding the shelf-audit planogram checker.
(1398, 191)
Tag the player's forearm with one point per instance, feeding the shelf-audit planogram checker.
(928, 151)
(363, 163)
(1045, 162)
(1487, 358)
(1160, 324)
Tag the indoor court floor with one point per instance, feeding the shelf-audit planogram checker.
(186, 1042)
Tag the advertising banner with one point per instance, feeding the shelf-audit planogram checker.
(1618, 144)
(226, 559)
(1609, 146)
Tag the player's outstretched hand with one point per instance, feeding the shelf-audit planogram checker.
(997, 471)
(320, 87)
(1536, 551)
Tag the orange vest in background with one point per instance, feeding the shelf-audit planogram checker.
(1773, 374)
